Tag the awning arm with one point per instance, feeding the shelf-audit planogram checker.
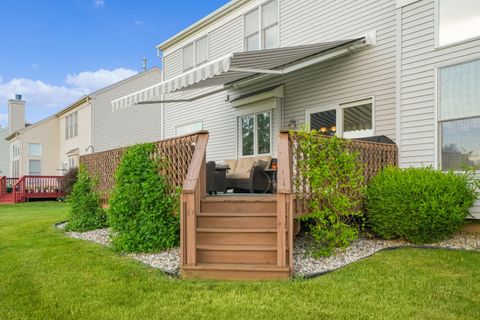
(253, 70)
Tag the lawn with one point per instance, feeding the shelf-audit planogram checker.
(44, 275)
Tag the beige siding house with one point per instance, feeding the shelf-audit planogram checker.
(408, 70)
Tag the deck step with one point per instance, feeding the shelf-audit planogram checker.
(242, 230)
(241, 207)
(233, 236)
(234, 247)
(234, 214)
(235, 271)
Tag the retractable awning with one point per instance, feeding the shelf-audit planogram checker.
(242, 65)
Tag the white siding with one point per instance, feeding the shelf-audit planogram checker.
(136, 124)
(368, 73)
(419, 60)
(4, 152)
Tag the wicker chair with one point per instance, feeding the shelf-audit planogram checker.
(252, 177)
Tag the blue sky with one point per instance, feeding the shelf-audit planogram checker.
(54, 51)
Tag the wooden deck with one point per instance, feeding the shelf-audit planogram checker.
(15, 190)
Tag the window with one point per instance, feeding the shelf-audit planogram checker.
(34, 167)
(458, 20)
(71, 125)
(256, 133)
(348, 120)
(357, 119)
(459, 115)
(188, 128)
(195, 54)
(261, 27)
(71, 163)
(15, 168)
(35, 149)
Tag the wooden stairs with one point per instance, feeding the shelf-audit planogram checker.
(236, 237)
(237, 240)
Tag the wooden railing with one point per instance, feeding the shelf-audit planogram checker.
(176, 152)
(194, 190)
(29, 187)
(284, 204)
(6, 184)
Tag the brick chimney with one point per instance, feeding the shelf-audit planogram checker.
(16, 114)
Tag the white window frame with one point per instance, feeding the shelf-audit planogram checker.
(260, 25)
(29, 167)
(30, 151)
(339, 109)
(438, 136)
(71, 125)
(437, 31)
(194, 55)
(188, 124)
(255, 133)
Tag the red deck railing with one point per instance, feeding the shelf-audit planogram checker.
(37, 187)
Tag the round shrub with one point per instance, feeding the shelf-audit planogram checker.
(421, 205)
(86, 212)
(143, 207)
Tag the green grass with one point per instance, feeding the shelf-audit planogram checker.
(44, 275)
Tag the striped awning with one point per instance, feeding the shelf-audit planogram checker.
(238, 66)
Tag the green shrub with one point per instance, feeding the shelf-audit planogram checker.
(86, 212)
(143, 208)
(336, 190)
(421, 205)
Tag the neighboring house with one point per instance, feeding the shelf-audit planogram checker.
(54, 145)
(33, 148)
(4, 152)
(405, 69)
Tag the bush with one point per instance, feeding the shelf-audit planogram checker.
(86, 212)
(68, 181)
(143, 207)
(336, 190)
(421, 205)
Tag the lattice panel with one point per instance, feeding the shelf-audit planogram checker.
(176, 154)
(373, 157)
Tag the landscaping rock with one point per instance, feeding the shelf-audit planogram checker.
(167, 261)
(306, 266)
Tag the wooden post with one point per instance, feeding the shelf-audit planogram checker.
(284, 202)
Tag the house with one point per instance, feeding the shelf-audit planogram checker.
(33, 148)
(407, 69)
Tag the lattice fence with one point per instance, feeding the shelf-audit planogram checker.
(372, 156)
(176, 153)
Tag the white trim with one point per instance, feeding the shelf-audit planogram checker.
(187, 124)
(437, 138)
(398, 86)
(255, 134)
(339, 109)
(260, 7)
(436, 17)
(278, 92)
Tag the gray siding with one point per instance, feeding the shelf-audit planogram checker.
(136, 124)
(419, 60)
(368, 73)
(4, 152)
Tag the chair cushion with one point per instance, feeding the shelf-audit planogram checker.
(263, 161)
(232, 164)
(244, 168)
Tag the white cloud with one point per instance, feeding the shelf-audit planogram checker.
(44, 98)
(91, 81)
(99, 3)
(3, 119)
(138, 22)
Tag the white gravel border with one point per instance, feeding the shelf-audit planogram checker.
(168, 261)
(304, 264)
